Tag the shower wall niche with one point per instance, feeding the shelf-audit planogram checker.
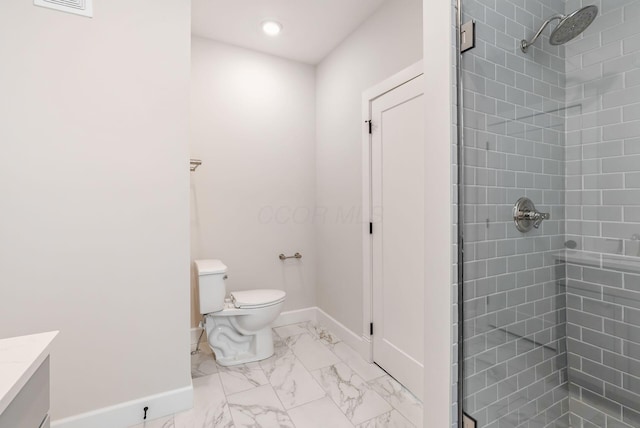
(552, 316)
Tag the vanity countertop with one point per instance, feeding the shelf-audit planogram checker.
(20, 357)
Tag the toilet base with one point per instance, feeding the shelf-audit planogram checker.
(232, 348)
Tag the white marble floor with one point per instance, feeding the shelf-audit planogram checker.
(313, 380)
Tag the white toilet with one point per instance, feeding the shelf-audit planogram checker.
(238, 328)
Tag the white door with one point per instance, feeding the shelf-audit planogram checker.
(397, 196)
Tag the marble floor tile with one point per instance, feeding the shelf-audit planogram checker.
(291, 330)
(393, 419)
(322, 334)
(257, 408)
(291, 381)
(351, 393)
(312, 380)
(166, 422)
(399, 397)
(278, 342)
(364, 369)
(242, 377)
(321, 413)
(203, 363)
(313, 354)
(210, 408)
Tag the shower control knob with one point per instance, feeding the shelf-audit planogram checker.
(526, 217)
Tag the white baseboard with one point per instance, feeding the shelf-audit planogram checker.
(362, 345)
(130, 413)
(285, 318)
(299, 315)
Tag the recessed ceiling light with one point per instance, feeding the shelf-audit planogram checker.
(271, 28)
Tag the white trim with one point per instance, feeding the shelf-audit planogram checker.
(389, 84)
(438, 46)
(130, 413)
(296, 316)
(361, 344)
(368, 96)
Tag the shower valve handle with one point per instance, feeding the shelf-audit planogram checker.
(535, 216)
(525, 215)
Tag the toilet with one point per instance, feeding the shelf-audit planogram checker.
(239, 327)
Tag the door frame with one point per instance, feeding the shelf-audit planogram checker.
(413, 71)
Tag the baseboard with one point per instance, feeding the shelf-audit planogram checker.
(362, 345)
(299, 315)
(131, 413)
(285, 318)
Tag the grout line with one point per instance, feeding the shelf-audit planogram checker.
(295, 358)
(281, 403)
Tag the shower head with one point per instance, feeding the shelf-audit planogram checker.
(573, 24)
(569, 27)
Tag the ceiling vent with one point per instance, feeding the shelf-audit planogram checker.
(79, 7)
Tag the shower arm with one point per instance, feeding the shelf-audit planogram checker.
(524, 45)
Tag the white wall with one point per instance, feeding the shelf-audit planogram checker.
(94, 195)
(389, 41)
(253, 126)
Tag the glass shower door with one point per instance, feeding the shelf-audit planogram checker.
(551, 314)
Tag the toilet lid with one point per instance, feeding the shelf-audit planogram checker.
(210, 267)
(256, 298)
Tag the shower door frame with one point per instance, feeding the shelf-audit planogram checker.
(460, 217)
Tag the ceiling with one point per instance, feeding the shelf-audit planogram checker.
(311, 28)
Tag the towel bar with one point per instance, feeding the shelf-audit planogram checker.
(295, 256)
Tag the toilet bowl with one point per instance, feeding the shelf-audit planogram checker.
(238, 328)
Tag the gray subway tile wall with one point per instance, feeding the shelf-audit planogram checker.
(602, 322)
(515, 307)
(552, 335)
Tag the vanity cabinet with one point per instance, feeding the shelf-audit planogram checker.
(30, 408)
(24, 381)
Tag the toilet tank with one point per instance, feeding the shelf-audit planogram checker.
(211, 287)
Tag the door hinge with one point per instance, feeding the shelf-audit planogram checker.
(371, 329)
(370, 126)
(468, 421)
(467, 36)
(370, 228)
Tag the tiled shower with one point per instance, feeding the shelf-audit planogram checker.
(552, 316)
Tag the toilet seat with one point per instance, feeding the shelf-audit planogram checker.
(253, 299)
